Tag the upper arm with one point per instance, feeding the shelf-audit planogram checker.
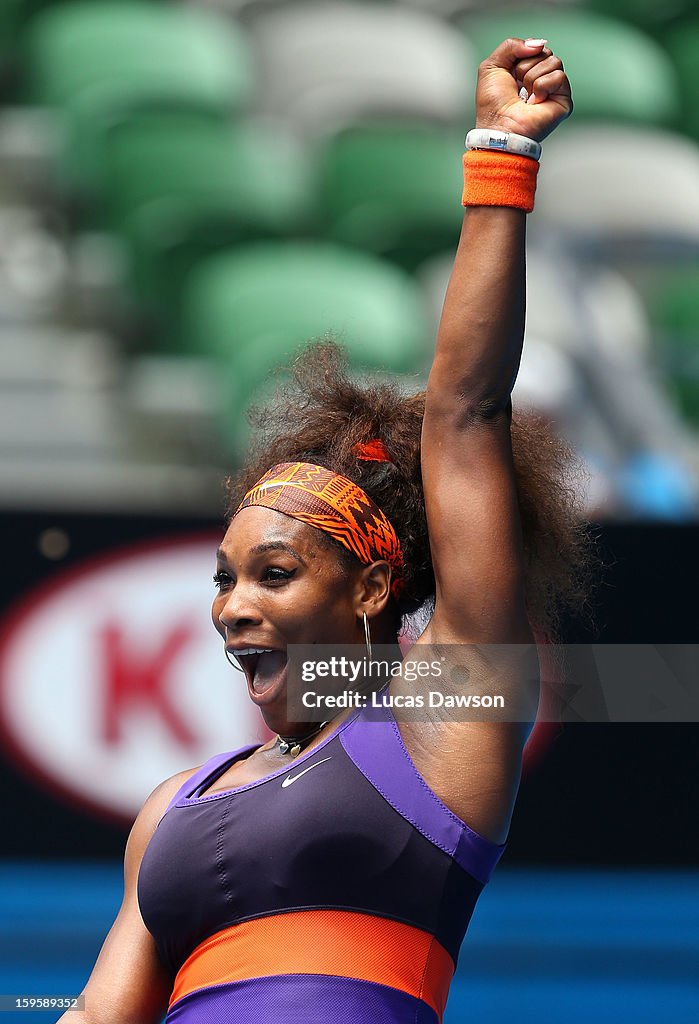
(477, 553)
(128, 984)
(474, 525)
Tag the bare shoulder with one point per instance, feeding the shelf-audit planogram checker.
(164, 791)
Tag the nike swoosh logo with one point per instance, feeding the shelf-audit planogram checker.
(293, 778)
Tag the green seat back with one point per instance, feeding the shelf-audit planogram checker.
(179, 186)
(674, 311)
(394, 190)
(683, 46)
(98, 62)
(9, 30)
(136, 52)
(253, 307)
(617, 71)
(647, 14)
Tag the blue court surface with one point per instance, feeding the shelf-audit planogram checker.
(546, 946)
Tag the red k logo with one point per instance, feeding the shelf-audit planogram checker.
(140, 681)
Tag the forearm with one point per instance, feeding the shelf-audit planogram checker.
(522, 88)
(479, 342)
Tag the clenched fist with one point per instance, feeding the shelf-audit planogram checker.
(523, 88)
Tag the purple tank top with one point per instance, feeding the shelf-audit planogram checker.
(339, 888)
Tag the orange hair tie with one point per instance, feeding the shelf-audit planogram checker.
(372, 451)
(332, 503)
(499, 179)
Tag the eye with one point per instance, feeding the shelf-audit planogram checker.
(222, 580)
(273, 574)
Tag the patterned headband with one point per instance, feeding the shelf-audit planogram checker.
(334, 504)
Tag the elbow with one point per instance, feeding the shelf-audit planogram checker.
(469, 406)
(492, 407)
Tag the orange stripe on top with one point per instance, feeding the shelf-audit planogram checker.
(342, 943)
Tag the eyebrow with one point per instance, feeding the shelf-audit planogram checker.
(270, 545)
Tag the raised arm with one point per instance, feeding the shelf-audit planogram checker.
(128, 984)
(467, 464)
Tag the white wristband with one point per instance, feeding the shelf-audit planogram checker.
(504, 142)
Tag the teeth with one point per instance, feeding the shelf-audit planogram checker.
(253, 650)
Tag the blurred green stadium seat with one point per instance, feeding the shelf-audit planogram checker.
(394, 189)
(179, 186)
(98, 61)
(15, 13)
(9, 27)
(647, 14)
(618, 72)
(253, 307)
(674, 310)
(683, 46)
(12, 14)
(137, 51)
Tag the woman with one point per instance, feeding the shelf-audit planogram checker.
(330, 873)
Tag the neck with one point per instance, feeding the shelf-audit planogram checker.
(293, 745)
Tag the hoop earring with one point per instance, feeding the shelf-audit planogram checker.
(232, 662)
(367, 635)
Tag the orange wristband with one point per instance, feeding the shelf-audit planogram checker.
(499, 179)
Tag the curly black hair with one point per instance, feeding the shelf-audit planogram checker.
(321, 412)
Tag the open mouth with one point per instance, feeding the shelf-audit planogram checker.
(265, 672)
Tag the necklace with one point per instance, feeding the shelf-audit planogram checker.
(294, 744)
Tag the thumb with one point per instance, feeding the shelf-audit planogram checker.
(510, 51)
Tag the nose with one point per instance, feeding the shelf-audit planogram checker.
(238, 610)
